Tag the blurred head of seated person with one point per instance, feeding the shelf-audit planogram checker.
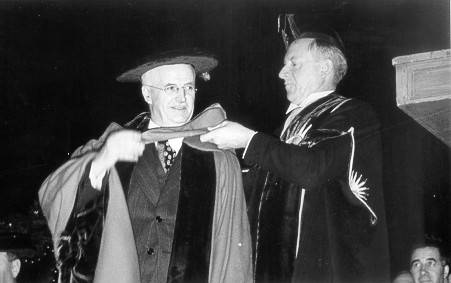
(12, 248)
(403, 277)
(428, 264)
(9, 267)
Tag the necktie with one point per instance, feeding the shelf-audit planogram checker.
(168, 154)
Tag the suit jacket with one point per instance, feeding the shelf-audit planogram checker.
(307, 224)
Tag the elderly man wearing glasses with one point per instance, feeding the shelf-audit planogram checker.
(184, 216)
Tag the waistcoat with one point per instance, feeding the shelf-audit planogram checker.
(171, 215)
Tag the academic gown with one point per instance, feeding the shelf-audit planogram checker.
(112, 253)
(312, 217)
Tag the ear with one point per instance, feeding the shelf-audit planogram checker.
(145, 90)
(445, 271)
(326, 68)
(15, 267)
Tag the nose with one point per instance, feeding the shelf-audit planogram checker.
(283, 72)
(423, 270)
(181, 95)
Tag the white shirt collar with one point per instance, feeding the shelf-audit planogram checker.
(294, 109)
(176, 144)
(309, 100)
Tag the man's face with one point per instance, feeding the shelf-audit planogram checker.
(166, 109)
(301, 72)
(426, 266)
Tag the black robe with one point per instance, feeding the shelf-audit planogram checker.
(300, 201)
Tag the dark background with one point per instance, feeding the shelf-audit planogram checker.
(58, 63)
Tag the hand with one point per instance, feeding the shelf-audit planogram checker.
(228, 135)
(124, 145)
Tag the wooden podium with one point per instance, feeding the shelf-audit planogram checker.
(423, 90)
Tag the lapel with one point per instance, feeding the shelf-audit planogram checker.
(310, 113)
(148, 173)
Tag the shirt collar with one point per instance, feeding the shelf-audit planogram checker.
(309, 100)
(175, 144)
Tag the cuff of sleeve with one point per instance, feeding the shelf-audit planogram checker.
(96, 177)
(247, 145)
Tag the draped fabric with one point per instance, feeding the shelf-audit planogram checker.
(117, 253)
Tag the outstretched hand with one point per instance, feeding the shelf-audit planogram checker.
(124, 145)
(228, 135)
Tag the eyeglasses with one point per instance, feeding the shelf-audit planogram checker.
(174, 89)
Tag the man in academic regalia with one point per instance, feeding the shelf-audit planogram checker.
(316, 205)
(184, 219)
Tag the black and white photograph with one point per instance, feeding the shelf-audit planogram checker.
(225, 141)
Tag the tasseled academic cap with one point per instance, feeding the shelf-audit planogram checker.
(290, 31)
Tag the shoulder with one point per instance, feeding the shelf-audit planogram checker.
(347, 104)
(96, 144)
(345, 113)
(140, 122)
(354, 109)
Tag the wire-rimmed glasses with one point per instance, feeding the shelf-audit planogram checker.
(174, 89)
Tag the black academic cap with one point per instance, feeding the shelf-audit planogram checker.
(291, 29)
(201, 61)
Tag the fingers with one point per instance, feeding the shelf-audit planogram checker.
(206, 137)
(125, 145)
(213, 137)
(222, 124)
(214, 133)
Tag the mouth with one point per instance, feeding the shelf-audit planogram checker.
(179, 107)
(289, 86)
(288, 82)
(425, 280)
